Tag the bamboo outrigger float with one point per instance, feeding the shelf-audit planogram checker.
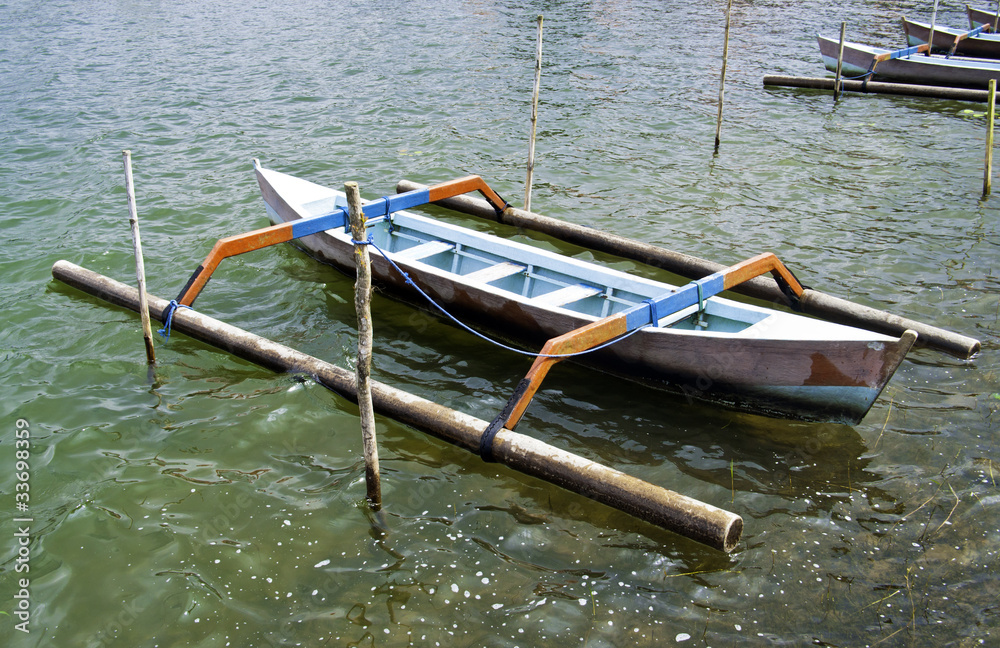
(683, 339)
(701, 522)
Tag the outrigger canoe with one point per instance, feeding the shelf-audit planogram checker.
(978, 17)
(972, 43)
(681, 338)
(908, 65)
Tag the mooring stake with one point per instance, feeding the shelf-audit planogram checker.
(534, 119)
(362, 303)
(722, 82)
(140, 269)
(840, 63)
(990, 114)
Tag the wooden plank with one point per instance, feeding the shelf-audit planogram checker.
(567, 295)
(495, 272)
(424, 250)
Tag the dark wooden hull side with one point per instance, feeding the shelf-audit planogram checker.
(799, 379)
(979, 17)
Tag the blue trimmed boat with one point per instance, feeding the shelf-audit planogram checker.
(690, 342)
(908, 65)
(976, 42)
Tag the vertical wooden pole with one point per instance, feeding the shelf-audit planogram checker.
(840, 62)
(990, 114)
(722, 82)
(140, 269)
(534, 120)
(930, 37)
(996, 21)
(362, 303)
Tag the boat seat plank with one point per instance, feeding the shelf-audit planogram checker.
(567, 295)
(495, 272)
(424, 250)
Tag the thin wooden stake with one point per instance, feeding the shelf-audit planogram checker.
(722, 83)
(930, 37)
(362, 303)
(534, 119)
(990, 114)
(140, 269)
(840, 62)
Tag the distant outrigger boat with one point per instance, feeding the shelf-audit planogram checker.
(908, 65)
(979, 17)
(977, 42)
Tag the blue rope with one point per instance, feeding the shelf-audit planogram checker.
(860, 76)
(169, 317)
(371, 241)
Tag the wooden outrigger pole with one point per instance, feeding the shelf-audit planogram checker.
(812, 302)
(664, 508)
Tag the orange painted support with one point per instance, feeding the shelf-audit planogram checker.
(285, 232)
(758, 265)
(228, 247)
(650, 312)
(577, 340)
(463, 186)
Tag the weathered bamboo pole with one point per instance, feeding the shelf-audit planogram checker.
(990, 115)
(534, 119)
(683, 515)
(722, 81)
(840, 62)
(140, 268)
(362, 304)
(878, 87)
(930, 37)
(812, 302)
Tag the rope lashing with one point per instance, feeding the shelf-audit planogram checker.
(168, 317)
(654, 311)
(371, 241)
(860, 76)
(486, 440)
(388, 214)
(869, 75)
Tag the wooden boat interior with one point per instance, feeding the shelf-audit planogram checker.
(545, 279)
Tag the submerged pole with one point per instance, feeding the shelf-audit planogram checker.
(140, 268)
(534, 119)
(990, 114)
(840, 62)
(878, 87)
(812, 302)
(666, 509)
(362, 304)
(722, 82)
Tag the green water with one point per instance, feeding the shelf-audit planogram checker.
(212, 503)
